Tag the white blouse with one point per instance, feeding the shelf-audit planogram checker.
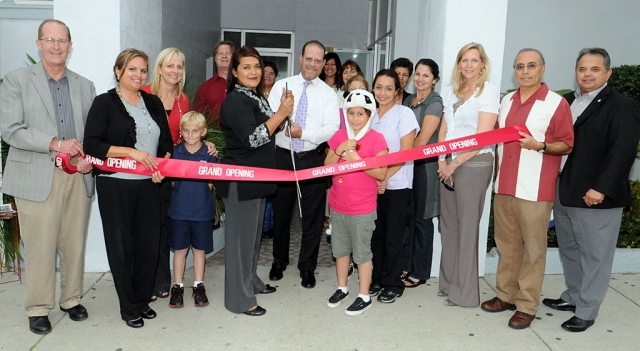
(464, 121)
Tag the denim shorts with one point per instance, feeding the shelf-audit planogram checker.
(352, 234)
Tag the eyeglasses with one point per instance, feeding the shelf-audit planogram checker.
(530, 66)
(311, 61)
(269, 74)
(224, 54)
(51, 41)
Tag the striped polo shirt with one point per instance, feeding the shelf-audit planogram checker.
(529, 174)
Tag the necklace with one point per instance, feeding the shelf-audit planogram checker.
(177, 99)
(144, 112)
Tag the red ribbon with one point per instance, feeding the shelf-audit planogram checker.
(219, 171)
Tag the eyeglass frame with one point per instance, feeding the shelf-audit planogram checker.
(51, 41)
(530, 66)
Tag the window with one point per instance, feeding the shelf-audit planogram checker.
(274, 46)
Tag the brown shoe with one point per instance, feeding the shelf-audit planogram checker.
(497, 305)
(520, 320)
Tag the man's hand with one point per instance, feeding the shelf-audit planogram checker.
(528, 142)
(296, 131)
(593, 197)
(70, 146)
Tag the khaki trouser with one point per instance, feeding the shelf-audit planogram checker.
(521, 236)
(58, 223)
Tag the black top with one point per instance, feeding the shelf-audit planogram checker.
(109, 124)
(239, 117)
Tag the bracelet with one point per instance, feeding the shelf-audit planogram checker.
(59, 142)
(334, 151)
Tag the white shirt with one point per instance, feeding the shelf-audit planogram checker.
(464, 121)
(394, 124)
(323, 116)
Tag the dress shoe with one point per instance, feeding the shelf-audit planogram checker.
(268, 234)
(497, 305)
(258, 311)
(276, 271)
(136, 323)
(76, 313)
(520, 320)
(40, 325)
(150, 314)
(559, 304)
(575, 324)
(308, 278)
(268, 289)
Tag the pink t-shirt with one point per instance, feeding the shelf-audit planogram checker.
(355, 193)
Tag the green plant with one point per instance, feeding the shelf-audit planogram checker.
(625, 79)
(630, 225)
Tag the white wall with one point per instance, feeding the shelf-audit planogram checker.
(443, 28)
(95, 31)
(560, 29)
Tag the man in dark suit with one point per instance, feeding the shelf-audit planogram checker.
(44, 108)
(593, 187)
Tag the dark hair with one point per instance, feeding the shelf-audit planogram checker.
(313, 42)
(348, 63)
(224, 42)
(433, 66)
(388, 73)
(267, 63)
(595, 51)
(404, 63)
(328, 56)
(245, 51)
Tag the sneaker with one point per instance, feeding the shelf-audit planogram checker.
(176, 299)
(375, 289)
(358, 307)
(337, 297)
(200, 296)
(388, 296)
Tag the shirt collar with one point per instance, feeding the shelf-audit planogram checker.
(589, 95)
(182, 148)
(540, 94)
(64, 74)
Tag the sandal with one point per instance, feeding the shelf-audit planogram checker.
(442, 293)
(449, 303)
(410, 283)
(404, 276)
(154, 298)
(164, 295)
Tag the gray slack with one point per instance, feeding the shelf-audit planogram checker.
(460, 213)
(587, 240)
(242, 234)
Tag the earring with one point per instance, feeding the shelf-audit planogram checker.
(482, 70)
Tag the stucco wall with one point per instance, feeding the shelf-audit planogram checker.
(194, 29)
(560, 29)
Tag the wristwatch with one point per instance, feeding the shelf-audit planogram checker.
(544, 147)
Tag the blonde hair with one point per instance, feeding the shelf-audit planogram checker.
(357, 78)
(195, 118)
(125, 57)
(457, 79)
(163, 59)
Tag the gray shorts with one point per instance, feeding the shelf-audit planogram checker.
(352, 234)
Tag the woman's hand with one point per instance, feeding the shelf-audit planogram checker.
(382, 186)
(445, 171)
(211, 148)
(145, 158)
(156, 177)
(286, 102)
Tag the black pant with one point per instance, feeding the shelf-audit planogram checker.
(387, 239)
(313, 203)
(130, 212)
(163, 272)
(418, 252)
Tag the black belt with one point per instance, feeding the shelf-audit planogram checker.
(301, 154)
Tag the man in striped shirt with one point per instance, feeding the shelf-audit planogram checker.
(525, 187)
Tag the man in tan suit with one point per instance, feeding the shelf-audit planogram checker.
(43, 110)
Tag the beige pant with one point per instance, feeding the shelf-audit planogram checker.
(58, 223)
(521, 236)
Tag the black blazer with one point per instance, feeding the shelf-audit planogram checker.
(109, 124)
(605, 146)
